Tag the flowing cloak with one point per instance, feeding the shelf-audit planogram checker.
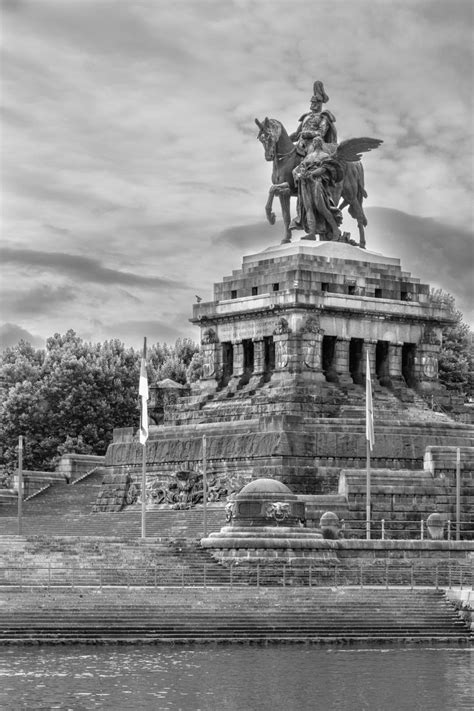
(315, 198)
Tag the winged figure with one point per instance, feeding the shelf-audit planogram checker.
(318, 178)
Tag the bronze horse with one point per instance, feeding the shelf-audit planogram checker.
(280, 149)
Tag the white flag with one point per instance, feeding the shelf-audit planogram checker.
(369, 411)
(143, 393)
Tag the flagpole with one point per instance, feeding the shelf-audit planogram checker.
(204, 483)
(367, 520)
(144, 490)
(143, 393)
(369, 435)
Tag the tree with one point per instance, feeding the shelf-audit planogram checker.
(70, 396)
(73, 389)
(455, 359)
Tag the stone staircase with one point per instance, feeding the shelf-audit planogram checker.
(126, 524)
(299, 399)
(232, 615)
(66, 510)
(72, 562)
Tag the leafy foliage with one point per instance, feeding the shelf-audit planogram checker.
(70, 396)
(455, 361)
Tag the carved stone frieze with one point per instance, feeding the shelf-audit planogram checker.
(185, 489)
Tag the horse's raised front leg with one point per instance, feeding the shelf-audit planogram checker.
(281, 190)
(271, 217)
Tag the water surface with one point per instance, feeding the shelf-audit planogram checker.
(236, 678)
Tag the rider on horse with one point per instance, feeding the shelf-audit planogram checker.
(315, 123)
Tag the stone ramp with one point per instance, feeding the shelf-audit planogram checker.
(231, 615)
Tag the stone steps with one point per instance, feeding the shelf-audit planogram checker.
(298, 398)
(125, 524)
(79, 561)
(200, 614)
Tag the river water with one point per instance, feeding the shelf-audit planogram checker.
(236, 678)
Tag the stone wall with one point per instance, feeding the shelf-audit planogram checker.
(403, 499)
(73, 466)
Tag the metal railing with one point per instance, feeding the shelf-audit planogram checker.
(360, 574)
(392, 529)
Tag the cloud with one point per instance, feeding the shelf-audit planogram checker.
(11, 334)
(156, 332)
(38, 299)
(82, 268)
(439, 254)
(129, 152)
(256, 236)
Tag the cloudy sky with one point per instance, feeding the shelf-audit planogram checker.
(131, 174)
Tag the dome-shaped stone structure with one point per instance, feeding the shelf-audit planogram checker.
(266, 522)
(267, 488)
(265, 502)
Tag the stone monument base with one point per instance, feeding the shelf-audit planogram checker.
(267, 544)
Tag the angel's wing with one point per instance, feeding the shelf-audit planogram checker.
(353, 148)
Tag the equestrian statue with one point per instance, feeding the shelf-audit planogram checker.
(325, 176)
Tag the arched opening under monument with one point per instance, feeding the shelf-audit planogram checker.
(227, 362)
(247, 345)
(248, 360)
(408, 363)
(381, 363)
(268, 356)
(328, 357)
(356, 358)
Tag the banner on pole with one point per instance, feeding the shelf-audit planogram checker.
(143, 393)
(369, 411)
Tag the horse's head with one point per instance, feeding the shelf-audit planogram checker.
(268, 135)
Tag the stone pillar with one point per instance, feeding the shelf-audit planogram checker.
(209, 360)
(341, 360)
(395, 361)
(311, 344)
(282, 351)
(426, 364)
(238, 359)
(258, 356)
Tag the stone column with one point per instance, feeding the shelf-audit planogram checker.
(238, 359)
(211, 367)
(282, 351)
(209, 360)
(258, 356)
(341, 360)
(311, 344)
(395, 361)
(426, 366)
